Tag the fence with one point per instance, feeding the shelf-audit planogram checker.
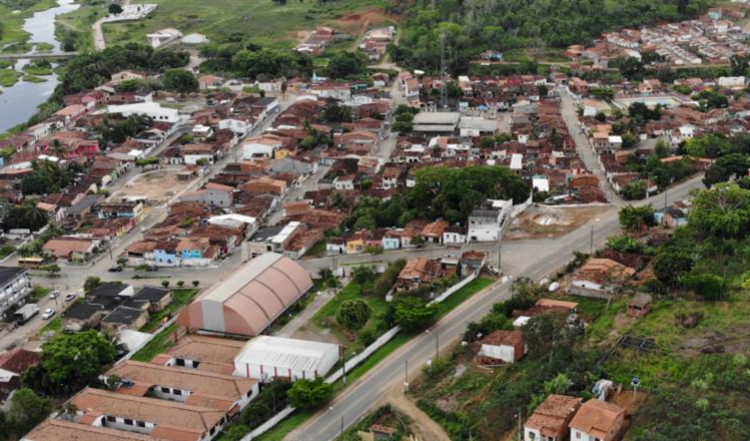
(353, 362)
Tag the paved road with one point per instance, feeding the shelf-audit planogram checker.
(533, 259)
(585, 151)
(73, 277)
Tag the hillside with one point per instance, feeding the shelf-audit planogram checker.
(471, 26)
(263, 22)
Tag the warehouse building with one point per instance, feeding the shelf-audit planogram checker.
(265, 358)
(250, 299)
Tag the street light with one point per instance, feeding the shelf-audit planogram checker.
(437, 342)
(341, 436)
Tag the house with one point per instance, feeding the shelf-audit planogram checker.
(597, 420)
(82, 316)
(434, 231)
(15, 286)
(159, 418)
(596, 277)
(124, 317)
(639, 305)
(193, 248)
(421, 270)
(486, 222)
(158, 298)
(13, 364)
(212, 195)
(71, 249)
(505, 346)
(550, 420)
(162, 37)
(265, 185)
(454, 235)
(189, 386)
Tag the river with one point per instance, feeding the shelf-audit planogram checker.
(19, 102)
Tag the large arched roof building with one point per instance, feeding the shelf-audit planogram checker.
(250, 299)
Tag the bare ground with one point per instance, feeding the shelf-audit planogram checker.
(542, 222)
(422, 425)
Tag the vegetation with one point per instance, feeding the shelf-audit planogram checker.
(180, 298)
(353, 314)
(70, 362)
(469, 28)
(159, 344)
(180, 81)
(26, 410)
(310, 394)
(448, 193)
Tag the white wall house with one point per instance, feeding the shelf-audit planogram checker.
(153, 110)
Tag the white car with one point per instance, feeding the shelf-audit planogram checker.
(48, 313)
(54, 294)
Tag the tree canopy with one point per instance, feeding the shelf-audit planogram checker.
(353, 314)
(723, 210)
(309, 394)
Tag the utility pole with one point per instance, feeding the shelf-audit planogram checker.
(406, 374)
(591, 245)
(664, 214)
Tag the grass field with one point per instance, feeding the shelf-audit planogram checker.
(161, 343)
(180, 298)
(291, 423)
(262, 21)
(13, 23)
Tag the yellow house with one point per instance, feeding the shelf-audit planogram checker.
(280, 154)
(355, 245)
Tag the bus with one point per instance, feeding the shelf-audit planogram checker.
(32, 262)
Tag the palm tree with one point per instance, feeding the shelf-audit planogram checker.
(33, 216)
(59, 149)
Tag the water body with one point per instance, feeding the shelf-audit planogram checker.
(19, 102)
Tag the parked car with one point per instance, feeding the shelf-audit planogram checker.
(54, 294)
(48, 313)
(115, 269)
(70, 296)
(152, 269)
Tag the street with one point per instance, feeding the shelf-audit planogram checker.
(72, 278)
(532, 259)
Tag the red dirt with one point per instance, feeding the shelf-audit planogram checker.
(359, 22)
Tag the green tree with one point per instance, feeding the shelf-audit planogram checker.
(723, 210)
(634, 190)
(52, 270)
(235, 433)
(180, 81)
(115, 9)
(708, 286)
(412, 313)
(363, 275)
(165, 283)
(310, 394)
(669, 267)
(77, 359)
(92, 282)
(346, 64)
(27, 409)
(196, 283)
(353, 314)
(634, 218)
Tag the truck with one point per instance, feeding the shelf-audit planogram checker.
(24, 313)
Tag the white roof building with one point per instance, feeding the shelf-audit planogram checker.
(233, 220)
(151, 109)
(266, 357)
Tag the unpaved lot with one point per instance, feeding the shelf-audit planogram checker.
(541, 222)
(157, 186)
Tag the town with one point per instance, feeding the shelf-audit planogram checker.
(325, 241)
